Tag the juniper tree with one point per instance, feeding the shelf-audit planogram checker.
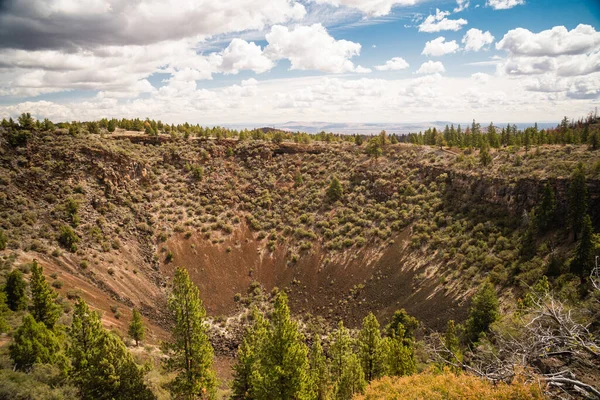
(190, 353)
(43, 299)
(483, 312)
(335, 191)
(16, 299)
(284, 362)
(136, 328)
(33, 343)
(369, 346)
(3, 239)
(101, 366)
(577, 200)
(248, 359)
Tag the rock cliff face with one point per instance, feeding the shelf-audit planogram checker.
(516, 195)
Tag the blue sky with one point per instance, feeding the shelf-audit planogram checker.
(273, 61)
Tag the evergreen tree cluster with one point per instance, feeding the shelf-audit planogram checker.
(275, 363)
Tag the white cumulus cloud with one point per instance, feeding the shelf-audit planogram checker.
(475, 39)
(374, 8)
(504, 4)
(395, 64)
(431, 67)
(438, 47)
(439, 22)
(312, 48)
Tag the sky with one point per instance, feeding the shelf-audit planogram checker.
(260, 62)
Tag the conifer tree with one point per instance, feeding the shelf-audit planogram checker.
(16, 299)
(483, 312)
(248, 358)
(136, 327)
(284, 361)
(484, 155)
(358, 140)
(33, 343)
(546, 212)
(409, 323)
(339, 348)
(335, 191)
(583, 262)
(319, 372)
(452, 344)
(3, 239)
(43, 299)
(399, 353)
(529, 244)
(352, 379)
(191, 354)
(101, 366)
(577, 200)
(369, 345)
(374, 148)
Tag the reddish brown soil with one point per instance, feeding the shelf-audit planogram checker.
(316, 287)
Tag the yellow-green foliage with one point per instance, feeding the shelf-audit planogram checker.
(447, 386)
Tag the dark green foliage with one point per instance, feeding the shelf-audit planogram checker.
(26, 122)
(112, 125)
(16, 299)
(374, 147)
(484, 156)
(43, 299)
(398, 353)
(248, 358)
(346, 372)
(358, 140)
(529, 243)
(197, 172)
(68, 238)
(577, 201)
(3, 239)
(546, 211)
(369, 346)
(594, 140)
(283, 370)
(319, 372)
(483, 312)
(33, 343)
(136, 328)
(583, 262)
(101, 366)
(335, 190)
(190, 353)
(452, 344)
(409, 324)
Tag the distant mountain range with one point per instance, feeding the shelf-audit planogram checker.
(372, 128)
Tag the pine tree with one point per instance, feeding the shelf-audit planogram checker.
(339, 348)
(374, 149)
(409, 323)
(352, 379)
(191, 354)
(136, 327)
(529, 242)
(335, 191)
(483, 312)
(3, 240)
(319, 372)
(248, 358)
(16, 299)
(399, 353)
(358, 140)
(577, 200)
(101, 366)
(583, 262)
(43, 299)
(33, 343)
(452, 344)
(369, 345)
(594, 140)
(112, 125)
(284, 361)
(546, 211)
(484, 155)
